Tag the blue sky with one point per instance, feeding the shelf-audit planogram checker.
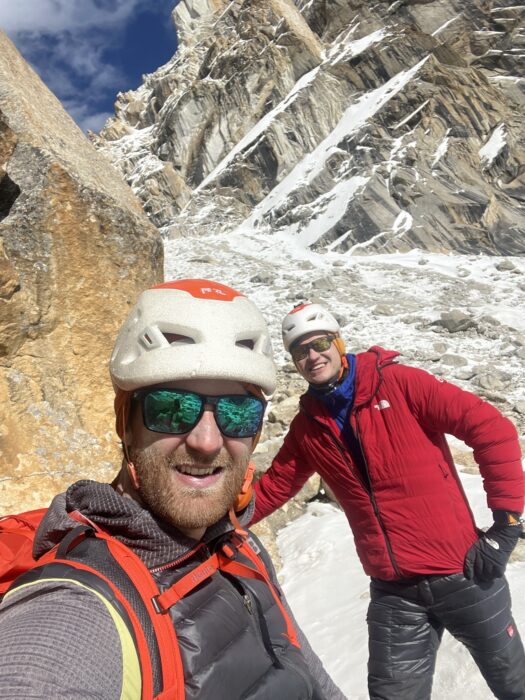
(86, 51)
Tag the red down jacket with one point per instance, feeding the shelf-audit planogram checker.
(413, 516)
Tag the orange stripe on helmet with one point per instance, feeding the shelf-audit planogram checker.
(202, 289)
(299, 307)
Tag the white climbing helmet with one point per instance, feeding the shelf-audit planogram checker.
(193, 329)
(307, 318)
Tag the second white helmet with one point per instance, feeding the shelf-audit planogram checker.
(307, 318)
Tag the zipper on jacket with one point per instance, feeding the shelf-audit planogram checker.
(367, 487)
(175, 562)
(355, 471)
(254, 608)
(355, 448)
(374, 502)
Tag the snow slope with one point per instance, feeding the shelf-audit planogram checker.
(328, 591)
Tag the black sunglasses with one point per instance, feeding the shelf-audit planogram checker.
(299, 352)
(175, 411)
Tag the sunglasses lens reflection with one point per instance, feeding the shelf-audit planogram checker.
(176, 412)
(318, 345)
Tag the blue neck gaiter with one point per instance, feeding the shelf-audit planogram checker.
(340, 398)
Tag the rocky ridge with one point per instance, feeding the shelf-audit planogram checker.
(350, 126)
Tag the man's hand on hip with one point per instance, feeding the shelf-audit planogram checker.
(488, 557)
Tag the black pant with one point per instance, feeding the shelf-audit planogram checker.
(406, 620)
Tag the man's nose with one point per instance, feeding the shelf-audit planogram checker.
(205, 437)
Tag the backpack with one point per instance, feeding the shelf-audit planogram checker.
(17, 533)
(142, 605)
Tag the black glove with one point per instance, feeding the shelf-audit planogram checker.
(488, 557)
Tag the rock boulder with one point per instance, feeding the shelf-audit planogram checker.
(75, 251)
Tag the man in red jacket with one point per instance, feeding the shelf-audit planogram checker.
(375, 432)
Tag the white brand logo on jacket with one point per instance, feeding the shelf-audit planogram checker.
(381, 405)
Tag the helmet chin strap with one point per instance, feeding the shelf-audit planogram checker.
(246, 493)
(132, 473)
(127, 482)
(242, 500)
(344, 367)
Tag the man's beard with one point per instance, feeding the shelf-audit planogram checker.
(183, 506)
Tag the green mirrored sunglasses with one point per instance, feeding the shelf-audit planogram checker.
(176, 412)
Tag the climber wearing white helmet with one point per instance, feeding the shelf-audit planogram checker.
(375, 432)
(313, 322)
(156, 589)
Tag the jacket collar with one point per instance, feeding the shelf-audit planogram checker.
(154, 541)
(367, 381)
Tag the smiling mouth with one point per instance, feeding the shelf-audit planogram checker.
(198, 471)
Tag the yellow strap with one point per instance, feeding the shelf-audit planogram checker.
(131, 676)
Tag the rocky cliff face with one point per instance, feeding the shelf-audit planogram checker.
(349, 125)
(75, 250)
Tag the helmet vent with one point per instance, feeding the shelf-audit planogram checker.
(247, 343)
(153, 338)
(178, 339)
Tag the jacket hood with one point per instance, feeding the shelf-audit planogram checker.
(368, 372)
(154, 541)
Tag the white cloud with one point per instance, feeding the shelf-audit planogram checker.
(74, 70)
(87, 121)
(56, 16)
(66, 40)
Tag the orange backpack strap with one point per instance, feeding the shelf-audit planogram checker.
(187, 583)
(226, 560)
(170, 658)
(138, 573)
